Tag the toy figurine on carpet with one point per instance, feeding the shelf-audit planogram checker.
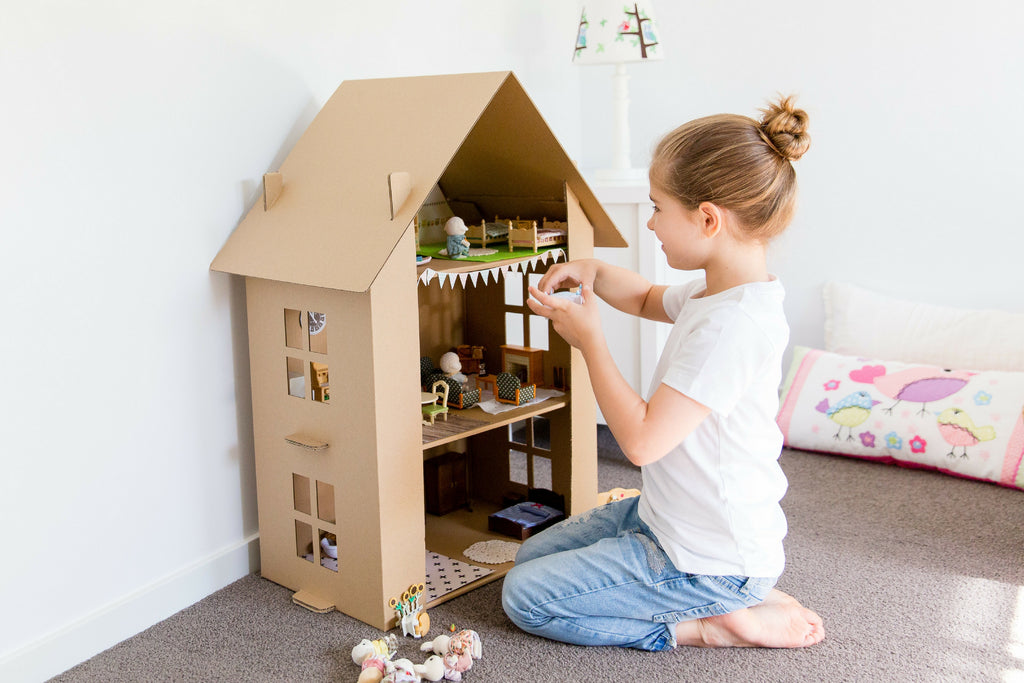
(413, 617)
(457, 652)
(374, 656)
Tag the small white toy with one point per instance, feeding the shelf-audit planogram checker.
(401, 671)
(452, 367)
(374, 656)
(411, 615)
(330, 550)
(456, 651)
(432, 669)
(456, 246)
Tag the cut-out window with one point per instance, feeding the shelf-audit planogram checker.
(518, 432)
(514, 333)
(513, 289)
(541, 433)
(296, 378)
(317, 331)
(517, 468)
(293, 336)
(539, 332)
(300, 494)
(304, 540)
(328, 550)
(325, 502)
(540, 472)
(321, 382)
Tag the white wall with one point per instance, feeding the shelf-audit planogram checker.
(135, 135)
(916, 111)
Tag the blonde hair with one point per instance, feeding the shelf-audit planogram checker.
(739, 164)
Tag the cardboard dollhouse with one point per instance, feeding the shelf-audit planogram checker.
(339, 318)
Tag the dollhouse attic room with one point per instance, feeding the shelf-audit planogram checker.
(347, 320)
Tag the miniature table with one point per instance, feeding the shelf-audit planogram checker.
(485, 381)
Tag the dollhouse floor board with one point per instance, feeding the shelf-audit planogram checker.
(461, 424)
(451, 534)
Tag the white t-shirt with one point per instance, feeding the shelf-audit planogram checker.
(713, 500)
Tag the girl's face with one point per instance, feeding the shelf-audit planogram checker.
(680, 231)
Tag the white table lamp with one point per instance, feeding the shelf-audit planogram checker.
(617, 32)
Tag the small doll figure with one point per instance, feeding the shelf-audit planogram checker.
(457, 245)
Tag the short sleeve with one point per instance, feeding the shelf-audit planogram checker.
(718, 361)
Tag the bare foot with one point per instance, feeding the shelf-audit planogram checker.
(779, 621)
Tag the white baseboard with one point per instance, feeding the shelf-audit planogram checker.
(77, 641)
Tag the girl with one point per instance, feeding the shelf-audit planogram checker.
(695, 558)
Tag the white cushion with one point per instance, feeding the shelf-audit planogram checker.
(860, 322)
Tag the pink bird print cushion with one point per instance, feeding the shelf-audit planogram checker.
(964, 423)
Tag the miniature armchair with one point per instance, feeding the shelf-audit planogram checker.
(459, 397)
(509, 389)
(432, 410)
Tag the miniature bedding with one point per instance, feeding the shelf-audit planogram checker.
(964, 423)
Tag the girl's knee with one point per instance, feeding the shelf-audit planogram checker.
(517, 597)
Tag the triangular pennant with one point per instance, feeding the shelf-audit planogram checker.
(474, 276)
(462, 279)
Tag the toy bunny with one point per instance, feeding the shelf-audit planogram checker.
(457, 652)
(401, 671)
(374, 656)
(432, 669)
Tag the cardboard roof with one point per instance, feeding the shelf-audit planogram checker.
(332, 225)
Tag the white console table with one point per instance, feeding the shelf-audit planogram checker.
(635, 344)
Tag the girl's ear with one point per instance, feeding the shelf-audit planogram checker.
(713, 218)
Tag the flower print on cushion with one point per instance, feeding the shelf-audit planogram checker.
(965, 423)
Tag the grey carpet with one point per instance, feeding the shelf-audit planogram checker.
(918, 577)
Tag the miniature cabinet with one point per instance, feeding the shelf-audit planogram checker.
(335, 300)
(446, 483)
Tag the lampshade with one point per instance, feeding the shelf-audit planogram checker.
(614, 32)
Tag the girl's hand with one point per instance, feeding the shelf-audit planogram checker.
(568, 275)
(578, 324)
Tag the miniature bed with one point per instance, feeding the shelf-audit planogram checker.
(527, 234)
(488, 233)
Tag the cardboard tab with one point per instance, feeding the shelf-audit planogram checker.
(399, 189)
(306, 441)
(273, 183)
(312, 602)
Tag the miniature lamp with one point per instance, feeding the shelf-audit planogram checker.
(618, 32)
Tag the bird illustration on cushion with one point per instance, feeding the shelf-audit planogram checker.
(958, 429)
(849, 412)
(921, 384)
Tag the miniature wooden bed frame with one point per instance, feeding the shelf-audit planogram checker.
(521, 233)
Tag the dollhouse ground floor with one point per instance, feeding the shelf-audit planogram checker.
(458, 533)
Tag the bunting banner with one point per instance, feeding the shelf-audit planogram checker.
(428, 274)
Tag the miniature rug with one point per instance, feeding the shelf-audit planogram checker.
(493, 406)
(445, 575)
(492, 552)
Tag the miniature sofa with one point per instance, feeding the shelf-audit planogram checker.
(460, 397)
(509, 389)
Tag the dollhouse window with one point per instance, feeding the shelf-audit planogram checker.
(325, 502)
(529, 457)
(296, 378)
(293, 337)
(317, 331)
(300, 494)
(328, 548)
(304, 540)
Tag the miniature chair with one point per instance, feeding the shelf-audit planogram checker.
(459, 396)
(432, 410)
(509, 389)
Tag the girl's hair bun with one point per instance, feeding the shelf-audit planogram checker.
(784, 128)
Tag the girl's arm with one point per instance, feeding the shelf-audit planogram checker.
(645, 431)
(623, 289)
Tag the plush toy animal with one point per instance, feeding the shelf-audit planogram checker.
(374, 656)
(456, 651)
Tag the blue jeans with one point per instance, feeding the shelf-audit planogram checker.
(601, 578)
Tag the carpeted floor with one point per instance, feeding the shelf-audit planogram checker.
(919, 577)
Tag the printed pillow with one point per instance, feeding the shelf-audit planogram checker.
(860, 322)
(968, 424)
